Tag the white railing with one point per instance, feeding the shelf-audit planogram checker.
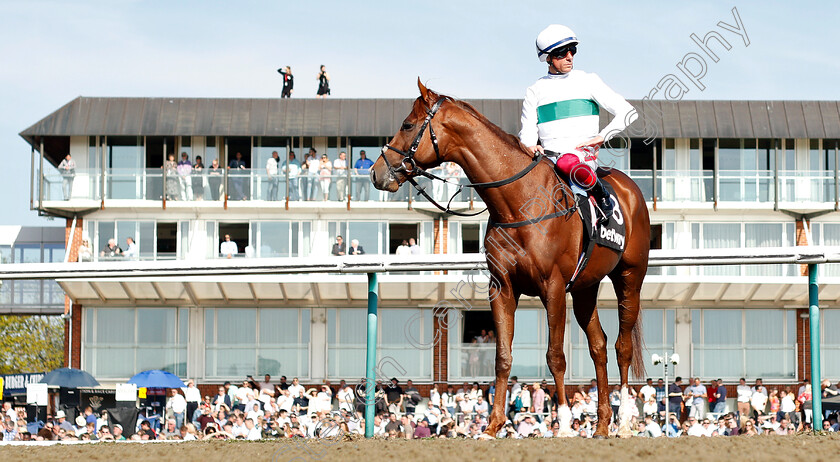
(389, 263)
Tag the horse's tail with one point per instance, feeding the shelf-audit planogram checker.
(637, 365)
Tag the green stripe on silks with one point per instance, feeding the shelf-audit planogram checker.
(565, 109)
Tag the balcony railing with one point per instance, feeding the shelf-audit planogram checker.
(242, 185)
(248, 185)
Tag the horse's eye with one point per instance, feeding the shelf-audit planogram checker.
(407, 126)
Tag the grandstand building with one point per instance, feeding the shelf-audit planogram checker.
(716, 174)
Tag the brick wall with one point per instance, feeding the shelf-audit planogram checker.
(440, 364)
(74, 351)
(803, 344)
(801, 239)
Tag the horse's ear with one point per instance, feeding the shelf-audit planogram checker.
(428, 96)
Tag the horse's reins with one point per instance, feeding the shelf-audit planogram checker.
(408, 168)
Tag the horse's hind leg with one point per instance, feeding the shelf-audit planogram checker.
(587, 316)
(627, 282)
(554, 299)
(503, 307)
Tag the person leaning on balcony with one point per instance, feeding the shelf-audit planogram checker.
(238, 180)
(228, 248)
(355, 248)
(85, 252)
(338, 247)
(273, 178)
(67, 168)
(214, 174)
(293, 167)
(198, 179)
(362, 170)
(340, 169)
(131, 253)
(325, 175)
(184, 172)
(111, 249)
(170, 168)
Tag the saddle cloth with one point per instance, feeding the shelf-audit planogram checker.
(611, 234)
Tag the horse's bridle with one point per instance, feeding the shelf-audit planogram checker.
(408, 166)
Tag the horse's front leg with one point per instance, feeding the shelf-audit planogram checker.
(503, 306)
(587, 316)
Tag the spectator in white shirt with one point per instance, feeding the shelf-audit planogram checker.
(254, 413)
(296, 391)
(744, 395)
(346, 397)
(178, 405)
(131, 253)
(434, 396)
(652, 428)
(228, 248)
(694, 427)
(193, 396)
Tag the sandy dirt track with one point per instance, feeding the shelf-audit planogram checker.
(792, 448)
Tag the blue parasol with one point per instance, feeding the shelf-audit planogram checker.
(69, 378)
(157, 379)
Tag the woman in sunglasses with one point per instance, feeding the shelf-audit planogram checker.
(561, 113)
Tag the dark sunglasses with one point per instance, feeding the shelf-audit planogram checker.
(560, 53)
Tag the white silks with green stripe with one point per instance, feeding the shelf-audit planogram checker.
(562, 111)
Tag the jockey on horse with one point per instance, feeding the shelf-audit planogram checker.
(561, 111)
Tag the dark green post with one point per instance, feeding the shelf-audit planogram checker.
(370, 380)
(814, 311)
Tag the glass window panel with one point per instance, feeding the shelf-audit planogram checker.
(234, 348)
(394, 356)
(274, 239)
(764, 327)
(346, 357)
(184, 244)
(28, 253)
(115, 326)
(280, 348)
(367, 233)
(830, 341)
(106, 231)
(718, 236)
(722, 327)
(279, 326)
(730, 154)
(307, 236)
(53, 253)
(763, 235)
(146, 240)
(156, 325)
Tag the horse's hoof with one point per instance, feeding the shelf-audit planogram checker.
(599, 437)
(485, 437)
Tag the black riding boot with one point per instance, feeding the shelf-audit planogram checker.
(602, 198)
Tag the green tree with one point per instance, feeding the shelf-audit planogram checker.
(31, 343)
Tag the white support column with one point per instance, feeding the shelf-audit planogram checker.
(318, 336)
(682, 240)
(320, 233)
(682, 341)
(195, 345)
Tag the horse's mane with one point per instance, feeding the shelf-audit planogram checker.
(507, 137)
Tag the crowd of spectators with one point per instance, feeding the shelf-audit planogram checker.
(259, 410)
(314, 178)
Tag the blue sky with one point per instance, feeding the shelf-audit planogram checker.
(53, 51)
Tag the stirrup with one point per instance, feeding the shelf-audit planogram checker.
(606, 211)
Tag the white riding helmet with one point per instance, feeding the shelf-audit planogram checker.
(554, 36)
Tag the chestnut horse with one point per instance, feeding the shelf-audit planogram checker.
(531, 260)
